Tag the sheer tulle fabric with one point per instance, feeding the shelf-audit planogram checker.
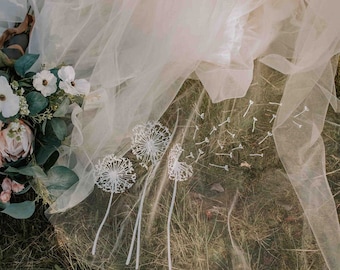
(137, 54)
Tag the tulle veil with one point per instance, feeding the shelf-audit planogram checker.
(138, 54)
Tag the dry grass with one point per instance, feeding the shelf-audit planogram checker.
(267, 224)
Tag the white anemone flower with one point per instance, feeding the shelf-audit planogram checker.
(69, 84)
(45, 82)
(9, 102)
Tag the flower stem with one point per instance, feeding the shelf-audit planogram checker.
(102, 224)
(169, 222)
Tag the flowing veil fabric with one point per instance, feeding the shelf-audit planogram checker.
(138, 54)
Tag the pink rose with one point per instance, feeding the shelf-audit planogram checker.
(5, 196)
(17, 187)
(6, 184)
(16, 141)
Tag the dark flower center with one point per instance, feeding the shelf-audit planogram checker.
(2, 97)
(73, 84)
(45, 82)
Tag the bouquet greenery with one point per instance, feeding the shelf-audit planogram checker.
(35, 120)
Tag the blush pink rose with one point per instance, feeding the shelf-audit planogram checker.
(6, 184)
(16, 141)
(17, 187)
(5, 196)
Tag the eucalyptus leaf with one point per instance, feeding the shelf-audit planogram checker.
(36, 102)
(3, 205)
(34, 171)
(20, 210)
(44, 153)
(62, 109)
(60, 179)
(59, 127)
(24, 63)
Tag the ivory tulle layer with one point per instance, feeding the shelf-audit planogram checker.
(137, 54)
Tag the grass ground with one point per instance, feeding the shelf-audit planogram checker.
(220, 219)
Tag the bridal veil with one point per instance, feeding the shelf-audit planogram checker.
(138, 54)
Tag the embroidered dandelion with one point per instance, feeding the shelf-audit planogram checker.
(113, 175)
(178, 171)
(149, 142)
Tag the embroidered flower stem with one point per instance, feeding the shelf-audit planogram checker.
(226, 121)
(169, 223)
(254, 123)
(269, 134)
(102, 224)
(305, 109)
(247, 110)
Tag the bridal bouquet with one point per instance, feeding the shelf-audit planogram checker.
(35, 120)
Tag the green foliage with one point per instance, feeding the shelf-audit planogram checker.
(20, 210)
(24, 63)
(31, 170)
(59, 127)
(60, 178)
(36, 102)
(62, 109)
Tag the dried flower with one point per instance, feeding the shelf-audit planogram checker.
(114, 174)
(9, 102)
(149, 142)
(70, 85)
(17, 187)
(6, 184)
(5, 196)
(16, 141)
(45, 82)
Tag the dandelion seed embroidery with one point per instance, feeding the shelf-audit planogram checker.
(239, 147)
(149, 142)
(297, 124)
(275, 103)
(231, 134)
(247, 110)
(206, 140)
(200, 154)
(305, 109)
(273, 117)
(220, 144)
(254, 123)
(225, 167)
(269, 134)
(256, 155)
(213, 130)
(226, 121)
